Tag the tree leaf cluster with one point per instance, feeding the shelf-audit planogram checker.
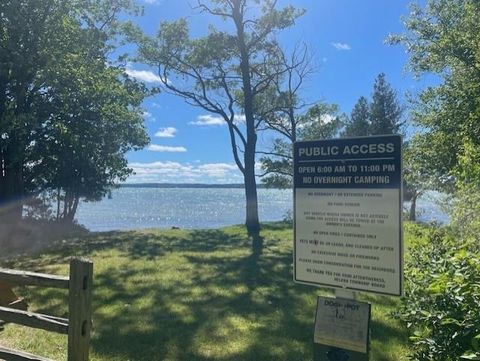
(383, 115)
(442, 293)
(320, 121)
(444, 38)
(67, 115)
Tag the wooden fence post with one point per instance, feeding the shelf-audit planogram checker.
(80, 309)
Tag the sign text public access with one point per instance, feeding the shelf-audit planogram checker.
(348, 213)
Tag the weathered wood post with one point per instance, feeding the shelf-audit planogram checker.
(80, 309)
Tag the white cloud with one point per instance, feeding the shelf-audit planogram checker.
(166, 148)
(146, 76)
(217, 170)
(341, 46)
(210, 119)
(168, 171)
(168, 132)
(148, 116)
(152, 2)
(327, 118)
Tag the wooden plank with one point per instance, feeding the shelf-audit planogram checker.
(35, 320)
(33, 279)
(14, 355)
(80, 309)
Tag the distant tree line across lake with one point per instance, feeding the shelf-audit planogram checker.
(186, 185)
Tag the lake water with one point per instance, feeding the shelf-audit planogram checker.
(137, 208)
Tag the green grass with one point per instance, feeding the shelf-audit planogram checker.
(193, 296)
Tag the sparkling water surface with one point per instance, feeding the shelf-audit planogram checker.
(138, 208)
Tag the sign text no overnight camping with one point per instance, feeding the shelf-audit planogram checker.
(348, 213)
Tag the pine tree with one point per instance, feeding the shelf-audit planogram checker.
(359, 122)
(385, 110)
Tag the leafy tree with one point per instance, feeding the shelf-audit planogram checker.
(359, 123)
(82, 153)
(444, 38)
(440, 307)
(321, 121)
(66, 116)
(382, 116)
(385, 109)
(225, 73)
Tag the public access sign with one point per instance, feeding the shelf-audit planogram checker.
(347, 213)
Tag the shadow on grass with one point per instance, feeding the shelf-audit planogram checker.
(194, 296)
(223, 294)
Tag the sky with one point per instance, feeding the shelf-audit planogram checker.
(347, 40)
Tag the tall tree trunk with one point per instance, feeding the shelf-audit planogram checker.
(11, 188)
(58, 203)
(413, 207)
(252, 221)
(72, 209)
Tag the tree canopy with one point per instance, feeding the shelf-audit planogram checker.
(226, 73)
(67, 114)
(359, 123)
(383, 115)
(444, 38)
(320, 121)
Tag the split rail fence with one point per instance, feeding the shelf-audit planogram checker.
(78, 324)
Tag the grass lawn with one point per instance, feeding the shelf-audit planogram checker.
(191, 296)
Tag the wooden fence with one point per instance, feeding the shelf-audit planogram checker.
(78, 324)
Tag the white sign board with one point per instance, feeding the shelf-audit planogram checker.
(342, 323)
(347, 214)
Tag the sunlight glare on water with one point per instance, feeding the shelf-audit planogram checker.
(138, 208)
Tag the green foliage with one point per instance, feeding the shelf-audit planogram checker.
(443, 286)
(442, 293)
(321, 121)
(359, 123)
(67, 116)
(278, 165)
(383, 115)
(444, 38)
(465, 212)
(385, 109)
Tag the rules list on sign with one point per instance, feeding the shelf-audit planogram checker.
(347, 212)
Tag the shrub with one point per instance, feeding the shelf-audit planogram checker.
(442, 297)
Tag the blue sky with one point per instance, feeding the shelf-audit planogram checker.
(347, 39)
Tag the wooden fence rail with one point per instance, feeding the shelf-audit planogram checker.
(78, 324)
(33, 279)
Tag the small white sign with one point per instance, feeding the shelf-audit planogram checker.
(342, 323)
